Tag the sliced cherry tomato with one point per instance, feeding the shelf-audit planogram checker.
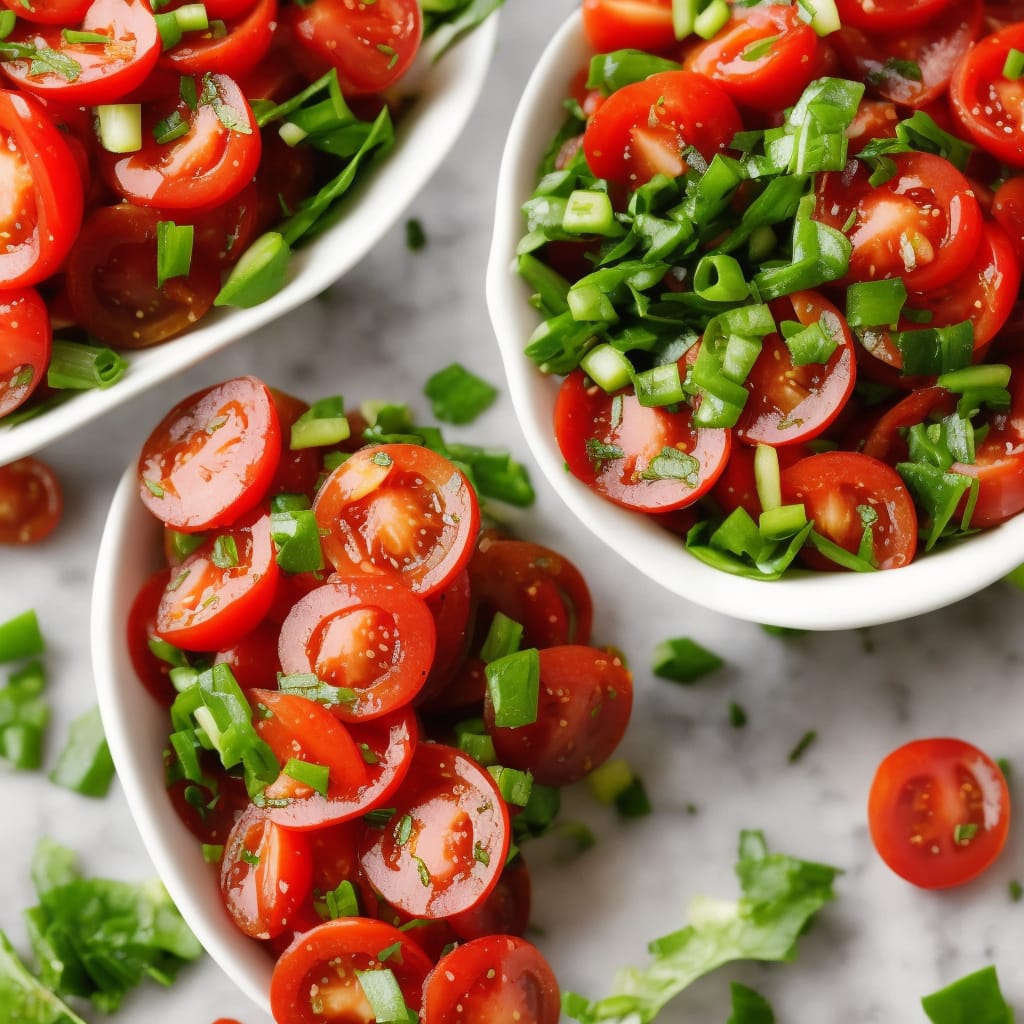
(988, 105)
(210, 816)
(208, 165)
(848, 494)
(887, 439)
(400, 511)
(105, 72)
(212, 457)
(41, 205)
(299, 468)
(875, 119)
(442, 851)
(923, 224)
(253, 658)
(50, 12)
(366, 634)
(112, 285)
(265, 875)
(586, 695)
(25, 344)
(628, 24)
(593, 428)
(911, 66)
(371, 45)
(763, 58)
(500, 979)
(31, 501)
(737, 486)
(222, 590)
(153, 672)
(1008, 211)
(235, 51)
(889, 15)
(790, 403)
(939, 812)
(643, 128)
(451, 611)
(315, 981)
(505, 912)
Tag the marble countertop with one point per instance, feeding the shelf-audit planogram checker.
(379, 333)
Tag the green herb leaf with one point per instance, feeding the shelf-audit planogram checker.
(458, 396)
(749, 1007)
(85, 765)
(683, 660)
(974, 999)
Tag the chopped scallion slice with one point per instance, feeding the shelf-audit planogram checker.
(173, 250)
(607, 367)
(976, 997)
(515, 786)
(120, 127)
(513, 683)
(458, 396)
(316, 776)
(503, 638)
(767, 478)
(20, 637)
(683, 660)
(85, 765)
(79, 367)
(384, 996)
(260, 273)
(1013, 68)
(323, 423)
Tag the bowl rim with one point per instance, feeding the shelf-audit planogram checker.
(445, 94)
(802, 600)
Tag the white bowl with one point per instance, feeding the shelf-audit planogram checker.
(446, 93)
(137, 727)
(803, 600)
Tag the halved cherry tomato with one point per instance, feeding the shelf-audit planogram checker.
(208, 165)
(153, 672)
(923, 224)
(25, 345)
(643, 128)
(212, 457)
(214, 598)
(210, 816)
(790, 403)
(939, 812)
(593, 428)
(987, 104)
(371, 45)
(105, 72)
(399, 511)
(31, 501)
(443, 849)
(505, 912)
(887, 440)
(299, 468)
(244, 42)
(265, 874)
(112, 284)
(315, 982)
(1008, 211)
(450, 609)
(737, 486)
(367, 634)
(888, 15)
(628, 24)
(847, 493)
(586, 695)
(763, 58)
(50, 12)
(41, 198)
(253, 658)
(500, 979)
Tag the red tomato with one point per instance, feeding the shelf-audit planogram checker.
(207, 166)
(939, 812)
(244, 42)
(253, 658)
(505, 912)
(768, 80)
(31, 501)
(888, 15)
(912, 66)
(987, 104)
(620, 424)
(41, 205)
(265, 875)
(210, 817)
(444, 848)
(212, 457)
(789, 403)
(887, 438)
(371, 45)
(399, 511)
(642, 129)
(366, 634)
(299, 469)
(106, 72)
(1008, 211)
(25, 344)
(923, 224)
(838, 490)
(112, 287)
(208, 606)
(49, 12)
(450, 609)
(628, 24)
(875, 119)
(737, 486)
(315, 982)
(586, 696)
(499, 979)
(153, 672)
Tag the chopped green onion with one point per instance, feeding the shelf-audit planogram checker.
(384, 996)
(875, 303)
(120, 127)
(812, 345)
(719, 278)
(611, 71)
(458, 396)
(976, 998)
(759, 48)
(633, 802)
(20, 637)
(976, 378)
(415, 236)
(85, 765)
(822, 15)
(296, 537)
(803, 744)
(173, 250)
(8, 20)
(713, 18)
(1013, 68)
(339, 902)
(192, 17)
(307, 685)
(611, 779)
(77, 366)
(479, 746)
(684, 14)
(767, 478)
(660, 385)
(590, 212)
(515, 786)
(683, 660)
(260, 273)
(607, 367)
(169, 29)
(323, 423)
(503, 638)
(70, 35)
(513, 685)
(782, 522)
(225, 552)
(316, 776)
(213, 853)
(737, 715)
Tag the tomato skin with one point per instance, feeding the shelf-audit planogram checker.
(499, 979)
(153, 672)
(584, 413)
(888, 15)
(31, 501)
(1008, 212)
(25, 345)
(886, 440)
(201, 478)
(253, 658)
(42, 206)
(371, 45)
(772, 81)
(505, 912)
(49, 12)
(628, 24)
(641, 129)
(921, 792)
(245, 43)
(325, 959)
(401, 512)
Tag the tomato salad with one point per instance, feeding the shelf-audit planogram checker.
(373, 702)
(777, 251)
(163, 158)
